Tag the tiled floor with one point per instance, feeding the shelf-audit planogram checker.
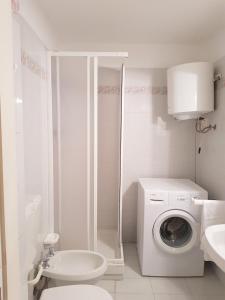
(136, 287)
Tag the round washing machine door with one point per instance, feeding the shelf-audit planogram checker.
(176, 231)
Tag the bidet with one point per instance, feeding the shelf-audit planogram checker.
(75, 266)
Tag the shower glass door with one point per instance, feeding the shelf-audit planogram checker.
(69, 97)
(110, 161)
(87, 112)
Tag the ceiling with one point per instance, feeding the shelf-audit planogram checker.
(132, 21)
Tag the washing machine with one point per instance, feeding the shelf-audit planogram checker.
(168, 227)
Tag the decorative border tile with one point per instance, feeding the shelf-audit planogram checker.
(108, 90)
(146, 90)
(32, 65)
(133, 90)
(15, 6)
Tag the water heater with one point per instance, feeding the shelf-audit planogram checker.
(190, 90)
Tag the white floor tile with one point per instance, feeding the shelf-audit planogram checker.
(208, 271)
(130, 249)
(208, 286)
(210, 297)
(162, 297)
(174, 297)
(183, 297)
(108, 285)
(134, 297)
(134, 286)
(169, 286)
(132, 268)
(131, 259)
(132, 272)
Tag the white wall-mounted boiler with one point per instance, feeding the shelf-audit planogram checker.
(190, 90)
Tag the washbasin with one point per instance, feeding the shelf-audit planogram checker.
(214, 244)
(76, 266)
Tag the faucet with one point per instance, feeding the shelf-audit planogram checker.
(44, 262)
(49, 242)
(51, 251)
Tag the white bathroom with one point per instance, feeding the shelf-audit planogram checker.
(112, 163)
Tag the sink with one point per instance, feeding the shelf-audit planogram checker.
(214, 244)
(76, 266)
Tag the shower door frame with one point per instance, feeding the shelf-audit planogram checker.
(92, 60)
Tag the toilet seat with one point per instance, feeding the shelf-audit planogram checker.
(76, 292)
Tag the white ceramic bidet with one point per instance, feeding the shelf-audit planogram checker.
(75, 267)
(214, 244)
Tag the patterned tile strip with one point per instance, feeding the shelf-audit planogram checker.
(32, 65)
(15, 6)
(133, 90)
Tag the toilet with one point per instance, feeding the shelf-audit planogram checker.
(76, 292)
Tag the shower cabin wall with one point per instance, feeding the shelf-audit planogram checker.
(87, 116)
(108, 148)
(69, 93)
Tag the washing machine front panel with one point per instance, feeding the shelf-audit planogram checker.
(162, 252)
(176, 232)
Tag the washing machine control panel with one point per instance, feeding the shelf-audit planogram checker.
(158, 197)
(179, 198)
(172, 198)
(185, 198)
(182, 198)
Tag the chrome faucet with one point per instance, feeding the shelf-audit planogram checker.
(44, 262)
(51, 251)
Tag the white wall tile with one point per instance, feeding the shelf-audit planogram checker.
(211, 162)
(155, 145)
(32, 147)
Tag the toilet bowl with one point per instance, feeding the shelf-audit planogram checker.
(76, 292)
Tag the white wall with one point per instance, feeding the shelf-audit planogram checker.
(215, 46)
(31, 12)
(211, 162)
(155, 145)
(8, 139)
(56, 151)
(30, 74)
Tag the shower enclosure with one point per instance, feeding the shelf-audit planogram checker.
(86, 107)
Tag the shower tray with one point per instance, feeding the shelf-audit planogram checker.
(108, 245)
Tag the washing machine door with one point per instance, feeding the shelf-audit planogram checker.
(176, 231)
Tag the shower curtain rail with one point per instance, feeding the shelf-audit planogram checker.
(88, 54)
